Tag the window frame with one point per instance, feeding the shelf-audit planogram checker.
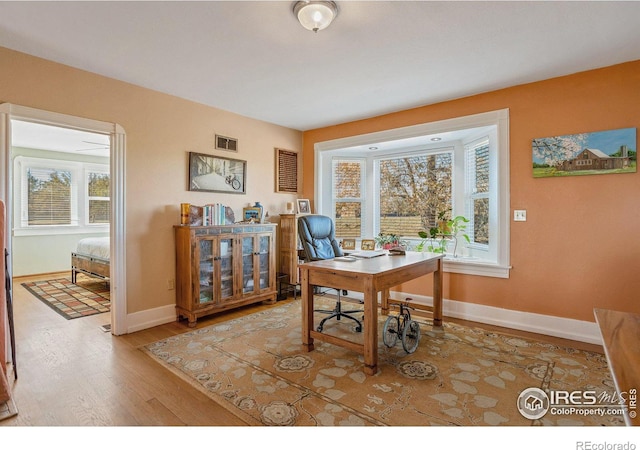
(432, 150)
(470, 194)
(498, 263)
(88, 169)
(79, 196)
(363, 190)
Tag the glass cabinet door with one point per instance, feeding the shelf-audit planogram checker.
(226, 267)
(205, 294)
(263, 260)
(248, 283)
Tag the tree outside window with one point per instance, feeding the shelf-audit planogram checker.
(98, 192)
(49, 197)
(413, 190)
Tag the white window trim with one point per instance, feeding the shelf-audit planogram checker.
(88, 169)
(470, 197)
(499, 118)
(363, 188)
(79, 197)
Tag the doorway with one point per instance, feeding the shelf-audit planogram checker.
(14, 116)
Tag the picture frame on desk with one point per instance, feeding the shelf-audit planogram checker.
(348, 244)
(304, 206)
(368, 244)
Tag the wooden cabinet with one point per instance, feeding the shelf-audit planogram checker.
(223, 267)
(289, 247)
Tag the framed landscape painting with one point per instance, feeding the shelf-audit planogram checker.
(596, 153)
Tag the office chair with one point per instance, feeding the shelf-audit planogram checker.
(317, 235)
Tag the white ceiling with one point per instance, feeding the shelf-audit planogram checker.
(255, 59)
(46, 137)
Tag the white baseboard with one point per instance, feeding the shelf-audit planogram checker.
(577, 330)
(150, 318)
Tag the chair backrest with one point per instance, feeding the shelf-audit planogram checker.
(318, 237)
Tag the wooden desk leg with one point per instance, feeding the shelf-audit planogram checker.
(370, 330)
(437, 296)
(384, 302)
(307, 310)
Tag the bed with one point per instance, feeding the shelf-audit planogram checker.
(91, 258)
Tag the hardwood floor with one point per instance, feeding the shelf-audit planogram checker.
(71, 373)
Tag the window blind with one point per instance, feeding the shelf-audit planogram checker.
(48, 196)
(478, 164)
(347, 188)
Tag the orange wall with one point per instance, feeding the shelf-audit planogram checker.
(580, 245)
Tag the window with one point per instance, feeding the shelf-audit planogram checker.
(57, 195)
(413, 189)
(399, 181)
(477, 191)
(48, 193)
(347, 193)
(98, 207)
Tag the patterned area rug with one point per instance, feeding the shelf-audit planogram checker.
(87, 297)
(255, 366)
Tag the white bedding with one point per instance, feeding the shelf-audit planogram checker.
(96, 246)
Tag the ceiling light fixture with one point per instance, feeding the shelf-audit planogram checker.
(315, 15)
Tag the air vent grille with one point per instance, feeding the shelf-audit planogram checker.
(226, 143)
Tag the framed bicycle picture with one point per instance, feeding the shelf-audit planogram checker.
(217, 174)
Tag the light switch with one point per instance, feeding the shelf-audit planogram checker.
(519, 215)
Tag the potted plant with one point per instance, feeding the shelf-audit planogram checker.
(442, 223)
(458, 226)
(433, 241)
(388, 240)
(436, 239)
